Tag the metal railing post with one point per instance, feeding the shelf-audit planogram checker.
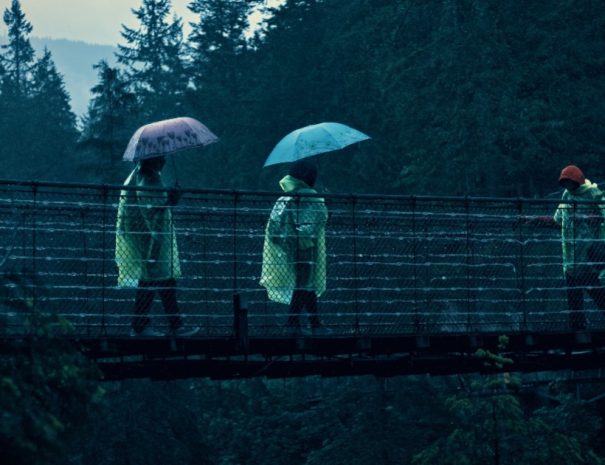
(234, 232)
(240, 312)
(34, 248)
(240, 323)
(86, 261)
(415, 265)
(571, 313)
(355, 271)
(468, 263)
(103, 260)
(521, 267)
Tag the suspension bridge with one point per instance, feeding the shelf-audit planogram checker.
(436, 285)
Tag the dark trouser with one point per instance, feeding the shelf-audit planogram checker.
(576, 285)
(144, 298)
(302, 298)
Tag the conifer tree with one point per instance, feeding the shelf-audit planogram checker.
(53, 120)
(219, 66)
(218, 39)
(108, 124)
(18, 59)
(50, 97)
(36, 122)
(153, 56)
(489, 424)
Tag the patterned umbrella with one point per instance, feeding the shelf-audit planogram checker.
(167, 136)
(312, 140)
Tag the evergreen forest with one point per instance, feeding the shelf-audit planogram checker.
(459, 97)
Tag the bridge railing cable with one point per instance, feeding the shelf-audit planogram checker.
(395, 265)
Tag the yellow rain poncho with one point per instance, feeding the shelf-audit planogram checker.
(581, 226)
(146, 248)
(296, 228)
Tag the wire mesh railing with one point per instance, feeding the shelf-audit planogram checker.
(394, 265)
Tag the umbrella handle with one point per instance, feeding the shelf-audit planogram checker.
(176, 179)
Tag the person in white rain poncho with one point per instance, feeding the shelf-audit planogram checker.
(146, 247)
(294, 252)
(582, 227)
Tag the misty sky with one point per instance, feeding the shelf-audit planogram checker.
(94, 21)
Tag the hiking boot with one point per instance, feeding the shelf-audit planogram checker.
(289, 330)
(186, 332)
(322, 331)
(577, 321)
(305, 332)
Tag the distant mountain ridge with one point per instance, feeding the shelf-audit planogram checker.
(75, 62)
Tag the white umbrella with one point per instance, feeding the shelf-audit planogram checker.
(167, 136)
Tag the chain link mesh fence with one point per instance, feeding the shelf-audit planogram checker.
(395, 265)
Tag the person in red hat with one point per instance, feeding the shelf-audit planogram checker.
(582, 230)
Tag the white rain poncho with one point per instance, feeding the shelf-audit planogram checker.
(296, 227)
(146, 248)
(581, 224)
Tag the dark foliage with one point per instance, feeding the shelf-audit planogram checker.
(108, 125)
(153, 56)
(47, 387)
(37, 126)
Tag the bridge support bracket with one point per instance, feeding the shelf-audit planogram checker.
(364, 344)
(583, 337)
(475, 341)
(240, 323)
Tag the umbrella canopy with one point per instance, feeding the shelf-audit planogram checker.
(167, 136)
(312, 140)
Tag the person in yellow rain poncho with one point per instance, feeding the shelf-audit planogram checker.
(294, 251)
(146, 247)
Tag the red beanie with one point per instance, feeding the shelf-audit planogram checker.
(574, 173)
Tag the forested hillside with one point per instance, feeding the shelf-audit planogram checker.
(460, 97)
